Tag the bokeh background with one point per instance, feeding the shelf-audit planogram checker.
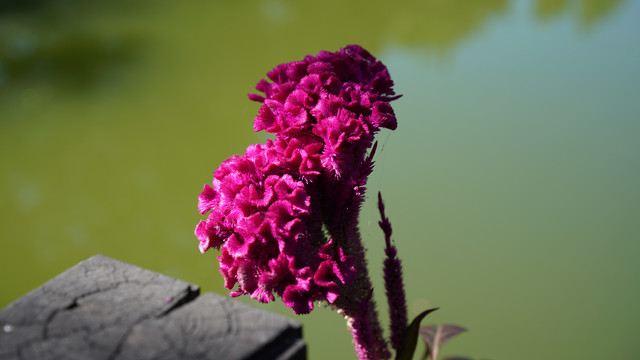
(512, 181)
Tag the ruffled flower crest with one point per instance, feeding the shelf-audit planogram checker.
(266, 209)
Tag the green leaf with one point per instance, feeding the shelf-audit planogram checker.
(410, 338)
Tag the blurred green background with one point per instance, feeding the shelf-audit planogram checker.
(511, 181)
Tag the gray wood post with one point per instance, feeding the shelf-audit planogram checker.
(106, 309)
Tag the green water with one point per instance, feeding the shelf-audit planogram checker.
(511, 182)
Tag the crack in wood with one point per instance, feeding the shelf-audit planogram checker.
(190, 294)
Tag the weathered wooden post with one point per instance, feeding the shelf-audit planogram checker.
(106, 309)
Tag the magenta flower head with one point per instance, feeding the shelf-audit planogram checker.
(284, 214)
(341, 98)
(260, 216)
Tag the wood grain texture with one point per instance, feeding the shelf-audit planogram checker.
(106, 309)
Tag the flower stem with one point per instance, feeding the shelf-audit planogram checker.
(356, 301)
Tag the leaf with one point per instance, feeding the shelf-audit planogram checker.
(457, 358)
(437, 335)
(410, 338)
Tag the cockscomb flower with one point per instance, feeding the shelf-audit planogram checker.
(342, 98)
(260, 218)
(284, 215)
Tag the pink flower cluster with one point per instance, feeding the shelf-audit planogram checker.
(341, 99)
(260, 216)
(267, 208)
